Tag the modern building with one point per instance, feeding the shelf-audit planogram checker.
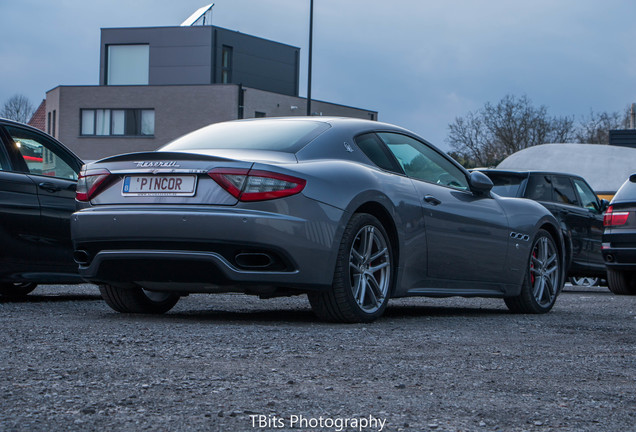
(623, 137)
(158, 83)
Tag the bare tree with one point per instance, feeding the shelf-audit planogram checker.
(488, 135)
(18, 108)
(595, 128)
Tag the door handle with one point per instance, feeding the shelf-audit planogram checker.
(49, 187)
(430, 199)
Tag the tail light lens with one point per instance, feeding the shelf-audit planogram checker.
(255, 185)
(612, 218)
(88, 183)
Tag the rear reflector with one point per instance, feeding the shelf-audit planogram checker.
(89, 182)
(255, 185)
(612, 218)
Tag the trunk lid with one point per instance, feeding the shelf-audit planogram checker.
(160, 178)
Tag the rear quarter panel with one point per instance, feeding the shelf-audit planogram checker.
(355, 187)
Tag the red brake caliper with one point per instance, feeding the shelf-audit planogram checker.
(534, 255)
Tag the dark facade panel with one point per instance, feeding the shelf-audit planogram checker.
(170, 47)
(623, 137)
(180, 56)
(193, 55)
(179, 75)
(259, 63)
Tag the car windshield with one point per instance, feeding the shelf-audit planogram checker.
(281, 135)
(506, 185)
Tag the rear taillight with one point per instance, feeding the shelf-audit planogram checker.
(254, 185)
(89, 182)
(612, 218)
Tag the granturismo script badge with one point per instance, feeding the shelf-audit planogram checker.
(157, 164)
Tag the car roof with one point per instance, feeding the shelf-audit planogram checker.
(527, 172)
(8, 122)
(334, 121)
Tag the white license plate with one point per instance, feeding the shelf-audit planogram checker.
(160, 185)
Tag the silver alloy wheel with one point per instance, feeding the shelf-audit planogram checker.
(369, 268)
(544, 271)
(584, 281)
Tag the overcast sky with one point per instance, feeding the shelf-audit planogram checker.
(418, 63)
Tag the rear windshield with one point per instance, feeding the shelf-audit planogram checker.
(627, 193)
(271, 135)
(506, 185)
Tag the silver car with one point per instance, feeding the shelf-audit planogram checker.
(349, 212)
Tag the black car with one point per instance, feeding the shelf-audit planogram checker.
(574, 204)
(619, 239)
(38, 178)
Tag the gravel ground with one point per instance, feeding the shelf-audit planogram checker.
(237, 363)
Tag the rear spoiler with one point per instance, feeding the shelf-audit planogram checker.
(154, 155)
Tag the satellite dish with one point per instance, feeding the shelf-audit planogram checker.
(199, 17)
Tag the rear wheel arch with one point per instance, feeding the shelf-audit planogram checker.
(362, 282)
(380, 212)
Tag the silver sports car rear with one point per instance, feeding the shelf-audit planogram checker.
(350, 212)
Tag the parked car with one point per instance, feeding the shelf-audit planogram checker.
(619, 239)
(38, 176)
(577, 208)
(351, 212)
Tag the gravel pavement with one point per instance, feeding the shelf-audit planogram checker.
(236, 363)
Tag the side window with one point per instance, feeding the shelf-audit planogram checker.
(586, 195)
(377, 152)
(4, 158)
(539, 188)
(422, 162)
(563, 191)
(40, 155)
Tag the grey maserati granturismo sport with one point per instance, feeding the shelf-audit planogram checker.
(349, 212)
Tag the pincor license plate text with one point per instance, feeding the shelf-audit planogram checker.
(159, 185)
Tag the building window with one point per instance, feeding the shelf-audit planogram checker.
(53, 124)
(128, 64)
(259, 114)
(48, 123)
(226, 65)
(117, 122)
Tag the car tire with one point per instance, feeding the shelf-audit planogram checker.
(363, 276)
(585, 281)
(17, 289)
(621, 282)
(137, 300)
(543, 280)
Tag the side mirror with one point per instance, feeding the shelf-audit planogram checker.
(480, 183)
(604, 205)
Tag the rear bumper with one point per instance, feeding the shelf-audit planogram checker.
(620, 258)
(202, 248)
(619, 249)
